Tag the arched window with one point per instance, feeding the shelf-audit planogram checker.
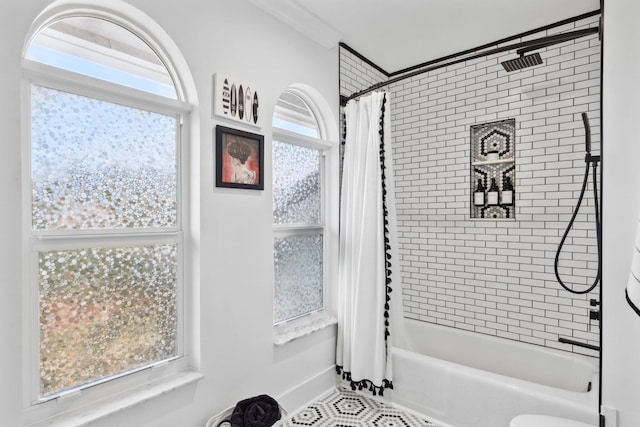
(103, 50)
(293, 114)
(106, 204)
(299, 207)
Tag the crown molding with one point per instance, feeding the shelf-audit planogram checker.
(291, 13)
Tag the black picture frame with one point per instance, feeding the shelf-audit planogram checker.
(239, 159)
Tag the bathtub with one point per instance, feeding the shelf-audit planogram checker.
(465, 379)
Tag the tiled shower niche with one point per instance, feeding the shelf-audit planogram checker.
(493, 167)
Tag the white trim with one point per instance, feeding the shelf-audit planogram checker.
(301, 395)
(101, 409)
(30, 327)
(119, 242)
(282, 135)
(77, 391)
(298, 229)
(114, 233)
(290, 330)
(59, 79)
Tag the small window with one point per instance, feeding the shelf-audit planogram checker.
(298, 210)
(293, 114)
(103, 50)
(105, 208)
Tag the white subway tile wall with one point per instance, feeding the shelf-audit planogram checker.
(356, 74)
(485, 275)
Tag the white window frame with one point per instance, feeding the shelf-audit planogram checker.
(127, 389)
(327, 144)
(284, 230)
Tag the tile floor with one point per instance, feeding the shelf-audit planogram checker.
(345, 408)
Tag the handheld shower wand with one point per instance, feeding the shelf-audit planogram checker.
(587, 133)
(592, 161)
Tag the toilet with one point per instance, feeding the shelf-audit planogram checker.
(530, 420)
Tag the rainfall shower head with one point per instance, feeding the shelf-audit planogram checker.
(524, 61)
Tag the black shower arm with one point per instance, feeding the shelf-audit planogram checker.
(555, 39)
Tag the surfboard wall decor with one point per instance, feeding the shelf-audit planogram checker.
(248, 112)
(236, 100)
(226, 97)
(240, 103)
(255, 107)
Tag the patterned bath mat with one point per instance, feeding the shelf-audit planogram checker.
(345, 408)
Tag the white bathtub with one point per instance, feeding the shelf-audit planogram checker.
(472, 380)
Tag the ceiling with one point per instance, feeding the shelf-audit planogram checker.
(397, 34)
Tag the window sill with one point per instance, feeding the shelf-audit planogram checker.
(290, 331)
(104, 408)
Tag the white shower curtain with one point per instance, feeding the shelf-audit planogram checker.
(368, 251)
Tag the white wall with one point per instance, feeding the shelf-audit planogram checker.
(236, 354)
(621, 144)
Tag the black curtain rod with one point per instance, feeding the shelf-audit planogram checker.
(530, 45)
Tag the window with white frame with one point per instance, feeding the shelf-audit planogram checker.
(298, 209)
(105, 201)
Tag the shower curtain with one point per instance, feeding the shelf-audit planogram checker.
(368, 251)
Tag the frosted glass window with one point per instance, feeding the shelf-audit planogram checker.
(298, 287)
(105, 311)
(99, 165)
(296, 184)
(298, 210)
(104, 181)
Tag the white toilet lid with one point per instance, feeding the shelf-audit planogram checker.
(545, 421)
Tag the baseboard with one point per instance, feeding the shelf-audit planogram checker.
(299, 396)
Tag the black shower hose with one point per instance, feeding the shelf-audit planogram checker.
(589, 161)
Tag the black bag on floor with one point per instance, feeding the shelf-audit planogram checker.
(259, 411)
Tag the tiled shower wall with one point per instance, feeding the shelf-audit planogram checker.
(485, 275)
(356, 74)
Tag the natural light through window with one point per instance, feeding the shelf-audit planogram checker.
(102, 50)
(293, 114)
(105, 223)
(298, 211)
(105, 311)
(96, 164)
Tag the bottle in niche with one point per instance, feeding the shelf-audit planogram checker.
(492, 194)
(507, 191)
(478, 195)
